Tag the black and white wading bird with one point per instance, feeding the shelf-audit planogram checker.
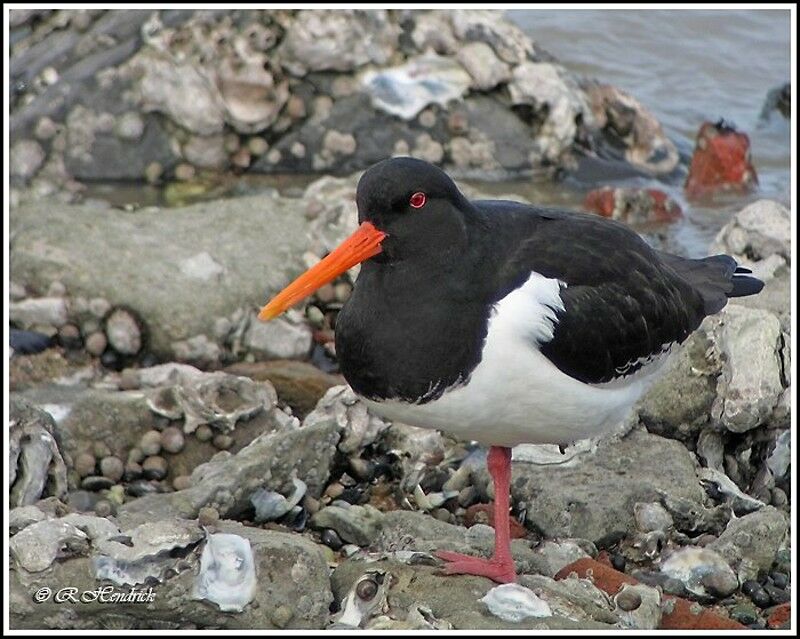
(503, 322)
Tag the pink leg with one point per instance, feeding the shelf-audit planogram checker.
(500, 567)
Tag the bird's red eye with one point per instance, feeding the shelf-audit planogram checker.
(418, 200)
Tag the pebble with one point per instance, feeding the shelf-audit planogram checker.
(628, 600)
(96, 482)
(96, 343)
(334, 490)
(361, 468)
(780, 579)
(155, 467)
(111, 360)
(442, 514)
(204, 433)
(744, 613)
(133, 470)
(311, 505)
(129, 379)
(140, 488)
(756, 593)
(777, 595)
(618, 563)
(257, 146)
(331, 539)
(45, 129)
(182, 482)
(101, 450)
(343, 291)
(112, 467)
(84, 464)
(99, 307)
(153, 172)
(208, 516)
(172, 440)
(184, 172)
(103, 508)
(778, 497)
(720, 583)
(222, 441)
(150, 443)
(136, 456)
(124, 332)
(467, 496)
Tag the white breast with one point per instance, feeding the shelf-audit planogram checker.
(516, 395)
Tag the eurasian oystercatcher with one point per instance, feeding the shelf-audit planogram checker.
(503, 322)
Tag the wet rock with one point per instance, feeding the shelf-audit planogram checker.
(633, 205)
(299, 384)
(36, 466)
(26, 158)
(285, 337)
(749, 342)
(22, 517)
(227, 481)
(506, 39)
(358, 524)
(485, 68)
(555, 103)
(44, 311)
(443, 601)
(597, 494)
(778, 99)
(750, 543)
(721, 161)
(291, 573)
(35, 548)
(91, 251)
(358, 427)
(759, 230)
(406, 90)
(624, 119)
(337, 40)
(703, 572)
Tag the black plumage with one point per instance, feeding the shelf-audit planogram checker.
(418, 317)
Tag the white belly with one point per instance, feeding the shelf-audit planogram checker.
(516, 395)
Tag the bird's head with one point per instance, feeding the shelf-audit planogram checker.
(408, 209)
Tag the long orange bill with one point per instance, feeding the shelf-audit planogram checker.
(361, 245)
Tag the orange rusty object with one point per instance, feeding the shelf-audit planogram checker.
(484, 514)
(721, 162)
(779, 616)
(684, 615)
(633, 204)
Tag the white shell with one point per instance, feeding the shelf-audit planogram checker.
(514, 603)
(227, 572)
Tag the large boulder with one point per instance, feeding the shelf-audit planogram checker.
(180, 271)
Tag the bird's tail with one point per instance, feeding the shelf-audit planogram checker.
(716, 278)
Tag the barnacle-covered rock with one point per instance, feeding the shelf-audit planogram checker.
(217, 399)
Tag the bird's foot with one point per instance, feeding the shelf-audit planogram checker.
(502, 572)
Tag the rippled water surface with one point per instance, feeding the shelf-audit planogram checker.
(687, 67)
